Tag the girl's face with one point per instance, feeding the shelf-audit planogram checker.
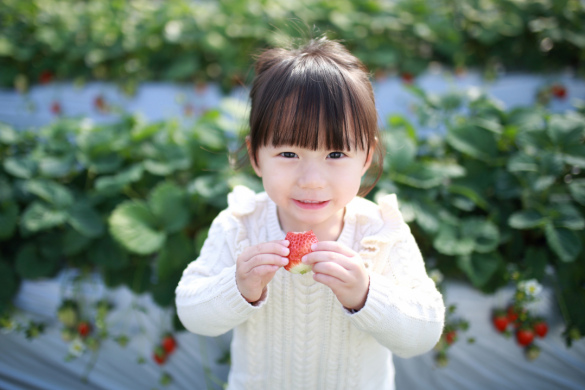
(311, 187)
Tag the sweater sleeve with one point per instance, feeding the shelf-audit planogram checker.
(207, 298)
(404, 311)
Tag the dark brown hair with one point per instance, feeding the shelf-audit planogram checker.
(313, 96)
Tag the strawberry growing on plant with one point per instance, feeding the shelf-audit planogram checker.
(300, 245)
(56, 108)
(559, 91)
(168, 343)
(540, 328)
(159, 355)
(500, 321)
(68, 313)
(524, 336)
(84, 328)
(450, 337)
(532, 352)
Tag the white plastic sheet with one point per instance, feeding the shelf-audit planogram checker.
(492, 362)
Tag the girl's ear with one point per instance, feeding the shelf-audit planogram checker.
(252, 160)
(369, 158)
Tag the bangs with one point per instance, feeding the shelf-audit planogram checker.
(311, 102)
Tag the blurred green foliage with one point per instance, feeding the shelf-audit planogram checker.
(198, 41)
(130, 200)
(500, 196)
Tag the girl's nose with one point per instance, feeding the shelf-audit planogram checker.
(311, 176)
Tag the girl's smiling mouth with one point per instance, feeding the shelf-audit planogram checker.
(311, 204)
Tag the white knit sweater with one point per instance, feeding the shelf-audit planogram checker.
(299, 336)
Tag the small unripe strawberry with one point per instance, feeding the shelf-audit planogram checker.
(159, 355)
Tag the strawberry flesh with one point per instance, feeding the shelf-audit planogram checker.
(300, 245)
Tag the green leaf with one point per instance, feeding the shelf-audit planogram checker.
(8, 219)
(51, 166)
(107, 253)
(115, 183)
(575, 155)
(419, 175)
(485, 234)
(175, 255)
(527, 219)
(134, 226)
(22, 167)
(473, 141)
(400, 152)
(451, 242)
(427, 215)
(470, 193)
(83, 217)
(9, 283)
(31, 265)
(74, 242)
(521, 162)
(564, 242)
(536, 261)
(168, 203)
(568, 216)
(51, 192)
(8, 135)
(577, 190)
(41, 216)
(480, 267)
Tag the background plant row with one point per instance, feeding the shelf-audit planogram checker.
(199, 41)
(500, 193)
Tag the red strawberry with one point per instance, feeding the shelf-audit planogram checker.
(450, 337)
(169, 343)
(56, 108)
(300, 245)
(159, 355)
(84, 328)
(407, 77)
(513, 314)
(524, 336)
(500, 321)
(559, 91)
(46, 77)
(540, 328)
(100, 103)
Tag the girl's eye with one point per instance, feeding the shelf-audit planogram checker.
(336, 155)
(288, 154)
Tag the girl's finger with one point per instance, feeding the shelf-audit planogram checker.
(333, 246)
(333, 270)
(333, 257)
(272, 247)
(264, 259)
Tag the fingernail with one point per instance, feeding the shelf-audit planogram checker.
(304, 259)
(286, 251)
(285, 242)
(284, 261)
(313, 246)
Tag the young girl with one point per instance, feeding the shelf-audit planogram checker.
(313, 137)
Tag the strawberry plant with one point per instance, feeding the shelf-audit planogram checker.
(497, 190)
(404, 36)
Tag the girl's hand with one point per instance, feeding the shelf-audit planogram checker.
(342, 270)
(256, 266)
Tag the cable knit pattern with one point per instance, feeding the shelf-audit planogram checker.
(298, 336)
